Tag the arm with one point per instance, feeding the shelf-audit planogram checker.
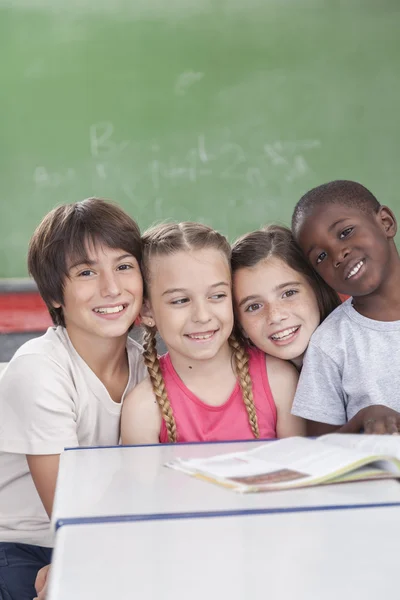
(315, 428)
(44, 470)
(37, 405)
(141, 418)
(283, 379)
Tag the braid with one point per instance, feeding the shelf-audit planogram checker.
(242, 368)
(153, 367)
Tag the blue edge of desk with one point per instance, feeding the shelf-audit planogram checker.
(221, 513)
(209, 514)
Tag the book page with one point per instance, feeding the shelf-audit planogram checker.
(289, 462)
(387, 445)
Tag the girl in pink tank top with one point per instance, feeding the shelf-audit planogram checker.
(209, 386)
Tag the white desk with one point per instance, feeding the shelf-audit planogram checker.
(328, 555)
(110, 482)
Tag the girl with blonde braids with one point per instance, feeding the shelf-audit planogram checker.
(208, 386)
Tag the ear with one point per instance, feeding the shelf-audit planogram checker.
(146, 314)
(387, 220)
(56, 305)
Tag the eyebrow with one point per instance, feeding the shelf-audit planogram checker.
(333, 225)
(92, 263)
(185, 291)
(275, 289)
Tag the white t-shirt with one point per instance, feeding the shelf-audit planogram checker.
(49, 400)
(351, 362)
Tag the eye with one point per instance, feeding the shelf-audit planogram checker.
(218, 296)
(321, 257)
(179, 301)
(124, 267)
(253, 307)
(86, 273)
(346, 232)
(289, 293)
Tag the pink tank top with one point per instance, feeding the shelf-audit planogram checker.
(197, 421)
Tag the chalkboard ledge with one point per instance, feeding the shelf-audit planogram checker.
(16, 285)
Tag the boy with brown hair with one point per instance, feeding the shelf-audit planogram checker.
(66, 387)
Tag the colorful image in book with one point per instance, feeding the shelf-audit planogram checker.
(273, 477)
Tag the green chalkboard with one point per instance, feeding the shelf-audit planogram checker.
(223, 111)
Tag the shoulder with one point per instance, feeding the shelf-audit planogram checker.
(53, 343)
(331, 331)
(283, 378)
(282, 374)
(142, 392)
(39, 356)
(141, 400)
(277, 370)
(42, 417)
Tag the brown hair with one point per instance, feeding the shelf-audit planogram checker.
(166, 239)
(275, 241)
(62, 238)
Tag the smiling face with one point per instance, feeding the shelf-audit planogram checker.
(349, 248)
(276, 307)
(191, 303)
(102, 295)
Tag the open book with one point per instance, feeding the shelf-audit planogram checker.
(299, 462)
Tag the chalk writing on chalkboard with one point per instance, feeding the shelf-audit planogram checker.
(155, 166)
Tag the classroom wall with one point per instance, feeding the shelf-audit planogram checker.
(222, 111)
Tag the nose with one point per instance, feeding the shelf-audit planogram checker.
(339, 256)
(201, 312)
(110, 284)
(276, 314)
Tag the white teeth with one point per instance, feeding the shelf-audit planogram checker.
(109, 311)
(284, 333)
(355, 270)
(201, 337)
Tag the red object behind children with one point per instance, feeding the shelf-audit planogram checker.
(23, 312)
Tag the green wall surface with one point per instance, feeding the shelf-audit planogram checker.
(222, 111)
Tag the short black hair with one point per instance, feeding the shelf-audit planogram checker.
(341, 191)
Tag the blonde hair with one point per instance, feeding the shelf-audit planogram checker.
(167, 239)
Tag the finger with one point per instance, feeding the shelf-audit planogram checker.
(391, 425)
(39, 583)
(375, 426)
(41, 578)
(368, 426)
(379, 427)
(43, 593)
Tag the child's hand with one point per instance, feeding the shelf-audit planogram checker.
(41, 583)
(380, 419)
(374, 419)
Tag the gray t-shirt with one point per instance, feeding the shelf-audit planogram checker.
(351, 362)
